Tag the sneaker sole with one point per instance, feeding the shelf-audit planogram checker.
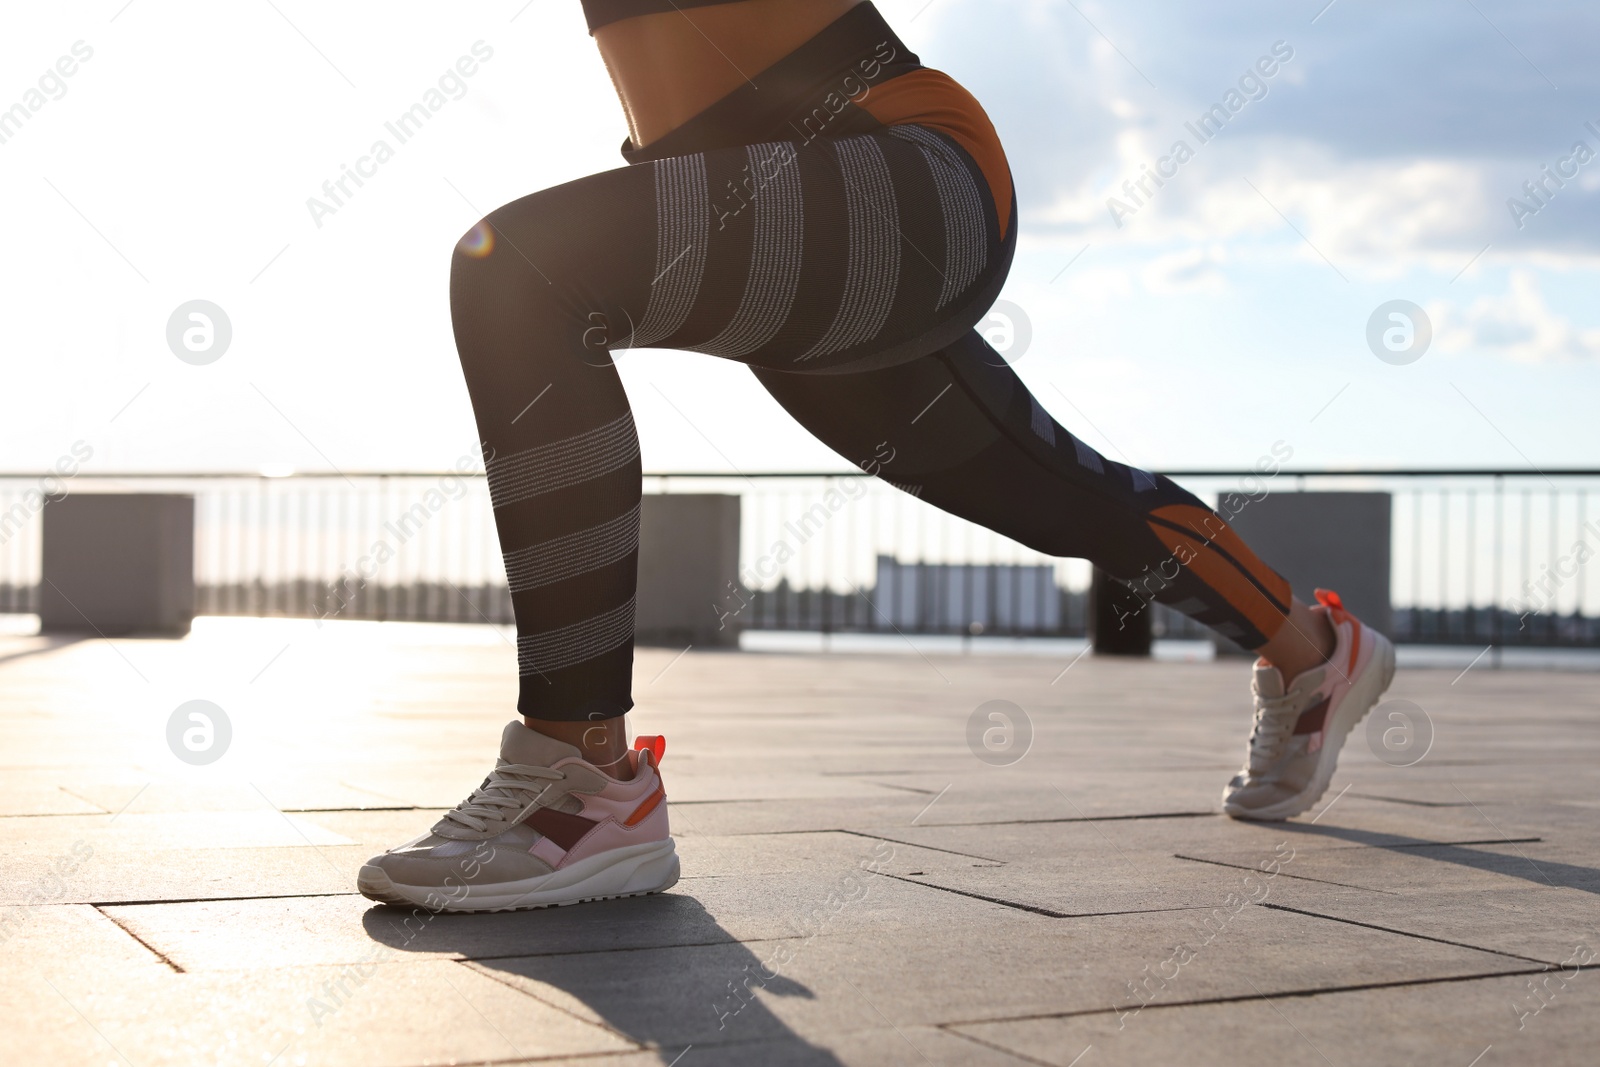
(636, 871)
(1361, 698)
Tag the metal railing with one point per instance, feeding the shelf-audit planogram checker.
(1478, 556)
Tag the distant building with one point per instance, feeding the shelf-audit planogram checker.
(953, 597)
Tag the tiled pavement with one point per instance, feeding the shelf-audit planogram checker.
(1083, 905)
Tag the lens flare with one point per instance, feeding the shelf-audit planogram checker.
(478, 241)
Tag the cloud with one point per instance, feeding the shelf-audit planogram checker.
(1356, 209)
(1192, 271)
(1517, 324)
(1392, 135)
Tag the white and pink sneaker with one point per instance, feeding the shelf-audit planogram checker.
(545, 828)
(1300, 727)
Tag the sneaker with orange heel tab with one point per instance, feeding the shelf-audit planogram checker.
(1301, 725)
(546, 828)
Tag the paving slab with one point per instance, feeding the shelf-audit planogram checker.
(226, 905)
(1446, 1024)
(379, 1013)
(231, 934)
(296, 793)
(1097, 885)
(139, 831)
(837, 983)
(186, 874)
(1074, 837)
(73, 941)
(963, 805)
(923, 1045)
(1489, 862)
(1534, 922)
(38, 791)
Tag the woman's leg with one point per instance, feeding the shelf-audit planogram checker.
(817, 259)
(959, 430)
(967, 436)
(558, 439)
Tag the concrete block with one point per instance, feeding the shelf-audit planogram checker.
(117, 564)
(688, 556)
(1336, 541)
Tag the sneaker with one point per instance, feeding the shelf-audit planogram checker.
(1300, 727)
(545, 828)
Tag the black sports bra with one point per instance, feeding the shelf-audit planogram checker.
(600, 12)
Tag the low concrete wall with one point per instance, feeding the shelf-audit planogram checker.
(117, 564)
(1338, 541)
(688, 556)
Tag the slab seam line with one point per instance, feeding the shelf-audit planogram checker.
(1285, 994)
(1405, 933)
(157, 953)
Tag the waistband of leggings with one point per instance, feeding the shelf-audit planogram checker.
(810, 90)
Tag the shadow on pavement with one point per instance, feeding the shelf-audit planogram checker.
(1542, 872)
(658, 970)
(48, 644)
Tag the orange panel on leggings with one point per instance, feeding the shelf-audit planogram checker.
(932, 98)
(1221, 559)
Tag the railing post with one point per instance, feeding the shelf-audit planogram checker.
(383, 509)
(1119, 621)
(1499, 551)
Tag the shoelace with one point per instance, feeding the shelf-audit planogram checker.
(1274, 721)
(508, 789)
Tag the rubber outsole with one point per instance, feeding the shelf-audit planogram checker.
(1351, 711)
(639, 871)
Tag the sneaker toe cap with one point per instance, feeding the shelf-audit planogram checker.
(1244, 796)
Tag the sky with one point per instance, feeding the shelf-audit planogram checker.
(1198, 324)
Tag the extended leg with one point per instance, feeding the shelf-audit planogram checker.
(967, 436)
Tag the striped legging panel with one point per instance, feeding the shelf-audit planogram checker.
(683, 222)
(551, 650)
(962, 205)
(576, 553)
(824, 241)
(775, 256)
(874, 261)
(567, 462)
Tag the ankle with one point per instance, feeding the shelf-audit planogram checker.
(620, 768)
(1305, 641)
(602, 743)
